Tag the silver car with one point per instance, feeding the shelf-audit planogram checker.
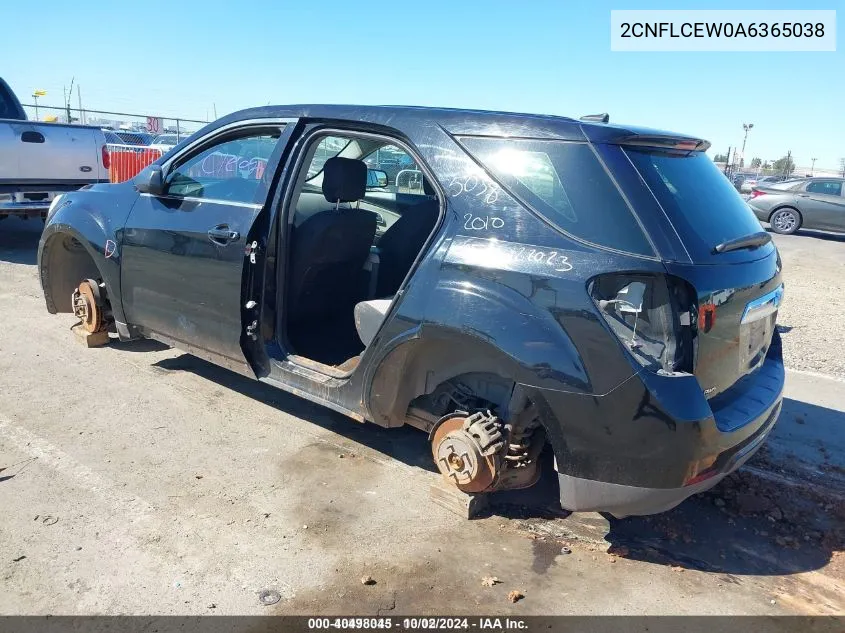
(812, 203)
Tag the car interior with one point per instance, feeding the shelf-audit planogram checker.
(361, 212)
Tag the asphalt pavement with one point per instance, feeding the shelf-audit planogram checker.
(138, 479)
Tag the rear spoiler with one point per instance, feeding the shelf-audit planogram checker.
(642, 137)
(665, 142)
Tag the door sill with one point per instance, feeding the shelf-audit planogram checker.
(344, 370)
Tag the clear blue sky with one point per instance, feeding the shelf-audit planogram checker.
(184, 57)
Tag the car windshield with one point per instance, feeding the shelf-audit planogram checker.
(703, 207)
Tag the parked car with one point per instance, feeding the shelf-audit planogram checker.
(748, 183)
(596, 288)
(112, 138)
(134, 138)
(740, 179)
(166, 142)
(812, 203)
(770, 180)
(40, 160)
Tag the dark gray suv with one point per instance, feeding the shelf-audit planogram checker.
(523, 281)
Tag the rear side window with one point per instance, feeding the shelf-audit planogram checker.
(703, 206)
(565, 183)
(827, 187)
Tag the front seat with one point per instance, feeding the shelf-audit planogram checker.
(402, 242)
(330, 247)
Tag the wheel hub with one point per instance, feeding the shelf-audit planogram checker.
(89, 306)
(784, 221)
(467, 453)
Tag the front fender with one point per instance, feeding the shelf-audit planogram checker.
(94, 218)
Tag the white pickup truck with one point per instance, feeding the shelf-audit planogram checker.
(41, 160)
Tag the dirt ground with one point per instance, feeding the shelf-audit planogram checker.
(137, 479)
(812, 317)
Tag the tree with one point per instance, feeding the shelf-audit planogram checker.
(784, 165)
(720, 158)
(755, 163)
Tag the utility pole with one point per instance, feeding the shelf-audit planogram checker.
(786, 167)
(68, 95)
(813, 166)
(727, 160)
(35, 95)
(81, 113)
(746, 127)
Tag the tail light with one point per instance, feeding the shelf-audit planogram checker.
(757, 193)
(651, 315)
(106, 157)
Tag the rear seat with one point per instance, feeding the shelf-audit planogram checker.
(369, 316)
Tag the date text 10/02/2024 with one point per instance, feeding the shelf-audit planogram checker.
(419, 623)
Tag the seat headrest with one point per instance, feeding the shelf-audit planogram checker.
(344, 179)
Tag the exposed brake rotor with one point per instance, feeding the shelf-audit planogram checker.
(466, 449)
(89, 306)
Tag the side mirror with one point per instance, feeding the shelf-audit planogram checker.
(376, 179)
(150, 181)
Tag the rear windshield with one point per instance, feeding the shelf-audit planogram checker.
(565, 183)
(703, 206)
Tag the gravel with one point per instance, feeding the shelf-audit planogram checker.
(812, 318)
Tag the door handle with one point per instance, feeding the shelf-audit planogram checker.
(803, 195)
(32, 137)
(222, 234)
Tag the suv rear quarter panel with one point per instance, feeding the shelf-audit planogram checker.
(501, 290)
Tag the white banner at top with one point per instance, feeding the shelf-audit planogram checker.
(729, 30)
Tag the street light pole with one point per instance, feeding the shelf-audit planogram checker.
(813, 167)
(746, 127)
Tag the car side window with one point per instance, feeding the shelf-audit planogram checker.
(328, 147)
(827, 187)
(230, 170)
(403, 173)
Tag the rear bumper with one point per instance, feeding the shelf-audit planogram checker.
(586, 495)
(762, 213)
(655, 440)
(18, 204)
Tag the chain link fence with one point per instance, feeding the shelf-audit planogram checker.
(133, 141)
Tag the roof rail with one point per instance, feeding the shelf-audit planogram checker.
(604, 117)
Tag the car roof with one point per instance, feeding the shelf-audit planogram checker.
(461, 121)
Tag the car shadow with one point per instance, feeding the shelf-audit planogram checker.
(138, 345)
(727, 530)
(821, 235)
(743, 526)
(405, 444)
(19, 240)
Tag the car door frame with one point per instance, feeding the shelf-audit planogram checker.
(342, 391)
(256, 232)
